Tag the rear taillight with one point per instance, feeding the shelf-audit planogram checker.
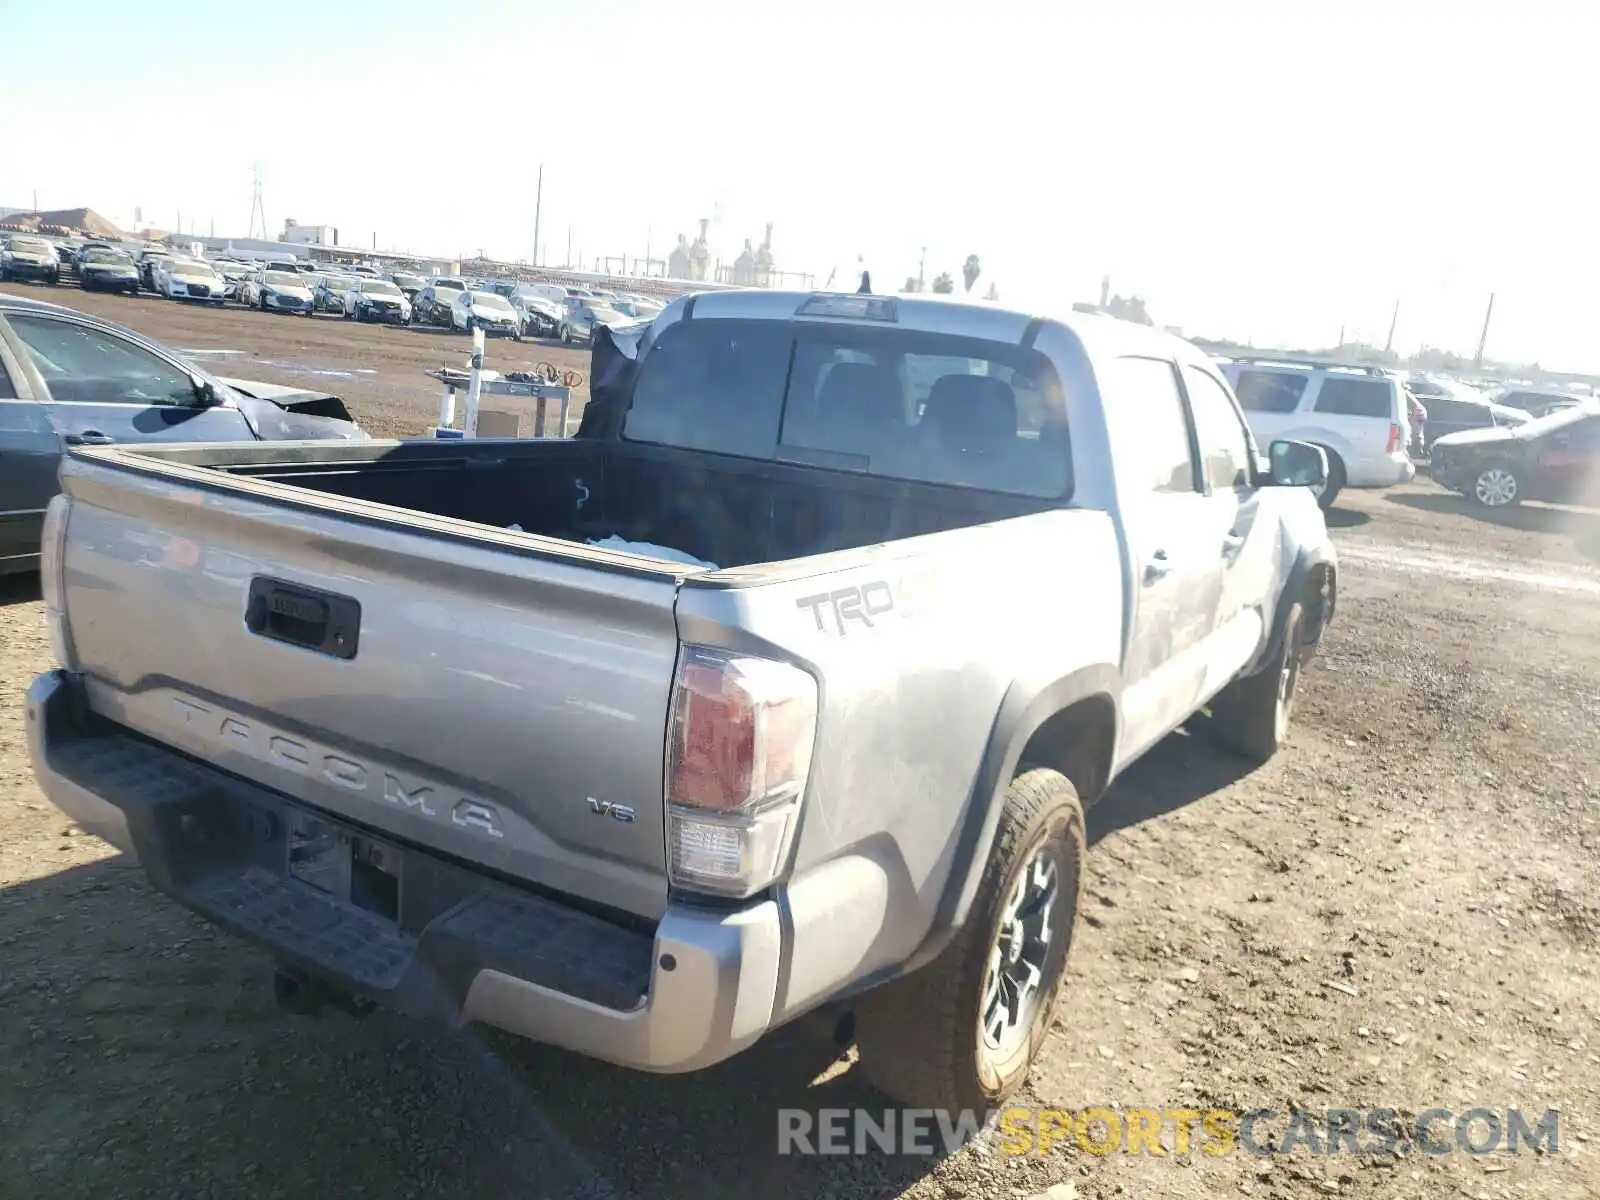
(740, 744)
(52, 577)
(1396, 437)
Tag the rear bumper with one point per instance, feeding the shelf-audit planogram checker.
(463, 947)
(1381, 472)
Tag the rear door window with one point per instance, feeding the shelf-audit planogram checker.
(1341, 397)
(1270, 391)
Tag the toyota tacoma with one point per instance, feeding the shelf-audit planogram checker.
(780, 687)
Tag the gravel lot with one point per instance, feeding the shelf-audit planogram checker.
(1427, 843)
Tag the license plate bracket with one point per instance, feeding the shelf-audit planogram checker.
(347, 865)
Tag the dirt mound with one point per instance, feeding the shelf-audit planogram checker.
(77, 220)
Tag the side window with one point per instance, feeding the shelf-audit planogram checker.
(1341, 397)
(1269, 391)
(1147, 389)
(8, 390)
(1224, 448)
(91, 366)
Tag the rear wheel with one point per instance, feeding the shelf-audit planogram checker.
(1498, 485)
(961, 1032)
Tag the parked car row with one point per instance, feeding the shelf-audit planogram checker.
(501, 307)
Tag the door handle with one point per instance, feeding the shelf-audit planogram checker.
(1231, 545)
(1157, 567)
(89, 437)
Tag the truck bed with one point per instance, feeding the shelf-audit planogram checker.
(479, 692)
(722, 510)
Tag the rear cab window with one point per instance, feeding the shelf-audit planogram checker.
(883, 400)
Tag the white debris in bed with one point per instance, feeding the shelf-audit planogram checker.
(651, 550)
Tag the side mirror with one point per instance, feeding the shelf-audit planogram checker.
(1298, 464)
(204, 394)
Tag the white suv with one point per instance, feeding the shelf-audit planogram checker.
(1358, 414)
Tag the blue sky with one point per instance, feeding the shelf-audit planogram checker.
(1270, 170)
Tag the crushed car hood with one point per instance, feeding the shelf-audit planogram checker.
(288, 413)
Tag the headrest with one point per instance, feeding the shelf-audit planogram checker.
(971, 410)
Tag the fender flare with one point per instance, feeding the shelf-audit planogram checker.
(1294, 590)
(1021, 715)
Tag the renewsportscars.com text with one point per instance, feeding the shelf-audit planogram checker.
(1176, 1131)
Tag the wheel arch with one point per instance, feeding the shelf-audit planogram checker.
(1070, 725)
(1313, 583)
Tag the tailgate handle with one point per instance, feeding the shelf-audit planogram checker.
(288, 612)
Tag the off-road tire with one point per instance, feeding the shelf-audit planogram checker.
(1251, 715)
(919, 1036)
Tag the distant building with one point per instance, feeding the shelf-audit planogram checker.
(310, 235)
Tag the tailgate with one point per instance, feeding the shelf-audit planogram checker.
(504, 704)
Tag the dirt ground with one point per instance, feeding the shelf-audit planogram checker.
(1401, 910)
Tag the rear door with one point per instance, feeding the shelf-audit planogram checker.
(100, 387)
(29, 454)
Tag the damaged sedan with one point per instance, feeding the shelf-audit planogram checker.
(70, 379)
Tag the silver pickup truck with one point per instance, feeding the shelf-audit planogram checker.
(782, 685)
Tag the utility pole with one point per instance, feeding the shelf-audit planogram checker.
(1477, 359)
(538, 210)
(258, 215)
(1340, 343)
(1388, 346)
(569, 247)
(35, 199)
(922, 264)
